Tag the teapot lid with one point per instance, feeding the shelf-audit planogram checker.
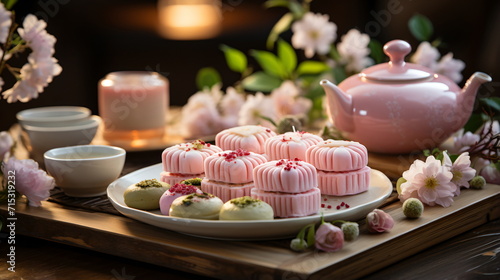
(397, 70)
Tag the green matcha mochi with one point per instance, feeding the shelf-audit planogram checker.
(145, 195)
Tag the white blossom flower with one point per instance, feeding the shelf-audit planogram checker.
(231, 102)
(426, 55)
(463, 141)
(36, 37)
(288, 101)
(200, 116)
(39, 73)
(450, 67)
(255, 107)
(5, 23)
(461, 170)
(21, 91)
(428, 181)
(314, 33)
(354, 51)
(230, 106)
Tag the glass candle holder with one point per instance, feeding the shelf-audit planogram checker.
(133, 105)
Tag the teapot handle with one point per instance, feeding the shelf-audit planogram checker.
(397, 50)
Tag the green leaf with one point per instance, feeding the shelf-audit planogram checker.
(339, 74)
(492, 102)
(9, 3)
(287, 56)
(236, 59)
(376, 51)
(207, 77)
(420, 27)
(311, 234)
(276, 3)
(270, 63)
(311, 67)
(297, 9)
(475, 121)
(261, 81)
(334, 54)
(281, 26)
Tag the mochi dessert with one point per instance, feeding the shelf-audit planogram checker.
(341, 165)
(174, 192)
(185, 161)
(246, 208)
(289, 186)
(145, 195)
(229, 174)
(290, 145)
(248, 137)
(196, 206)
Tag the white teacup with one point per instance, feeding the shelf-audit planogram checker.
(85, 170)
(63, 115)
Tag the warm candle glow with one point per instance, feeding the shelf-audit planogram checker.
(189, 20)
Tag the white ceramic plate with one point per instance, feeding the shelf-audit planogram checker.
(360, 205)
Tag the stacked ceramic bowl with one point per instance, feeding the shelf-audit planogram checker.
(46, 128)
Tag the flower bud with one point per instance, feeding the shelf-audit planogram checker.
(350, 230)
(329, 238)
(379, 221)
(399, 183)
(298, 244)
(477, 182)
(287, 123)
(413, 208)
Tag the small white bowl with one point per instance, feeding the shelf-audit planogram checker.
(85, 170)
(52, 114)
(46, 136)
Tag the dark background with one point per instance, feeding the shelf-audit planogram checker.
(97, 37)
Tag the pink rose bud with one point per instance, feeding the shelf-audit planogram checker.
(329, 238)
(379, 221)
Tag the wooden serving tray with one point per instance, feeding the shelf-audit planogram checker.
(121, 236)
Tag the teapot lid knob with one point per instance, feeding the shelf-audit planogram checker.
(397, 50)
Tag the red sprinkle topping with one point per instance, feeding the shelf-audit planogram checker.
(289, 164)
(322, 205)
(325, 199)
(234, 154)
(338, 207)
(342, 204)
(329, 207)
(347, 206)
(182, 189)
(268, 130)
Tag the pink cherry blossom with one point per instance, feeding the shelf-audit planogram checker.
(379, 221)
(428, 181)
(288, 101)
(6, 143)
(314, 34)
(5, 22)
(329, 238)
(36, 37)
(255, 107)
(21, 91)
(461, 170)
(200, 116)
(426, 55)
(463, 141)
(30, 181)
(450, 67)
(491, 174)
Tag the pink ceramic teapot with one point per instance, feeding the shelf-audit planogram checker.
(400, 107)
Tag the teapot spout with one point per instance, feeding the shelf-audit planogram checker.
(339, 106)
(467, 95)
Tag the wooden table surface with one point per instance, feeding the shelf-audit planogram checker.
(471, 255)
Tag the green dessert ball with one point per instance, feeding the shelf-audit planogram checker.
(413, 208)
(145, 195)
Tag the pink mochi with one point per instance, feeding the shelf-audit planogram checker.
(337, 155)
(286, 175)
(344, 183)
(287, 205)
(174, 192)
(290, 145)
(235, 167)
(187, 158)
(248, 137)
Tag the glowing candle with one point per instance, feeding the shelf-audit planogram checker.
(133, 105)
